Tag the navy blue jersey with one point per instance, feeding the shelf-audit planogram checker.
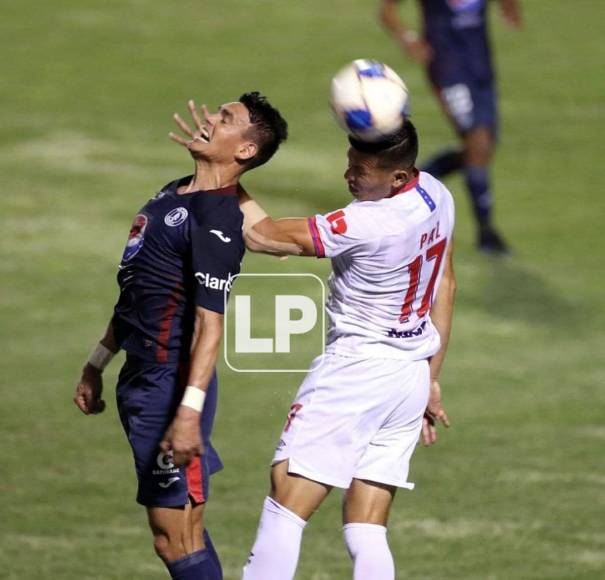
(457, 33)
(183, 251)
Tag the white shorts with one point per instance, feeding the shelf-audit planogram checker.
(356, 418)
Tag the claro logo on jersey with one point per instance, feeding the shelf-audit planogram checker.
(213, 282)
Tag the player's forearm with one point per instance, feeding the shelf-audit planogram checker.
(391, 20)
(205, 348)
(102, 354)
(109, 339)
(441, 315)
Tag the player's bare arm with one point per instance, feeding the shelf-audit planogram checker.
(412, 45)
(441, 316)
(90, 387)
(287, 236)
(511, 12)
(184, 437)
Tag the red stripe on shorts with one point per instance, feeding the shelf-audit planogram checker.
(195, 480)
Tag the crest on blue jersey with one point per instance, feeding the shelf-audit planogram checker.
(176, 217)
(465, 5)
(136, 238)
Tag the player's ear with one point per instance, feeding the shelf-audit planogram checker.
(246, 151)
(399, 179)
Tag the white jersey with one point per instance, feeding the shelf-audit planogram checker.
(387, 260)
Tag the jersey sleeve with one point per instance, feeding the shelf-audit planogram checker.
(217, 249)
(337, 232)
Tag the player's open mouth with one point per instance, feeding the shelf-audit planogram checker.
(204, 136)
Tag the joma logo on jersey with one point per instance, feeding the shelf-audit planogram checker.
(213, 282)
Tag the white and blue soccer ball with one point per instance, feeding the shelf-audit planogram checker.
(369, 99)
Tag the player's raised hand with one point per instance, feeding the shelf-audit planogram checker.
(433, 414)
(88, 392)
(185, 128)
(183, 437)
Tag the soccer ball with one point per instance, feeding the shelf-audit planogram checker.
(369, 100)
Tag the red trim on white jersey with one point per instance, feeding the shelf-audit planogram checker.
(409, 185)
(320, 251)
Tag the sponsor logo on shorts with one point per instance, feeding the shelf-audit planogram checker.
(165, 464)
(176, 217)
(393, 333)
(167, 484)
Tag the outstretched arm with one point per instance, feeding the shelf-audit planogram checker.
(90, 387)
(264, 234)
(441, 316)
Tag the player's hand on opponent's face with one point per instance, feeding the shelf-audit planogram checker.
(183, 437)
(88, 392)
(186, 129)
(434, 413)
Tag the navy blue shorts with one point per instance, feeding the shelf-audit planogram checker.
(148, 395)
(470, 104)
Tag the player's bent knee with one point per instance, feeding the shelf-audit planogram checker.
(168, 549)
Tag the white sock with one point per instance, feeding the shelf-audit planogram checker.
(274, 555)
(369, 550)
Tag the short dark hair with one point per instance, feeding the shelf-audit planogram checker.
(269, 128)
(399, 151)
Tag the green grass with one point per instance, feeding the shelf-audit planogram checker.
(513, 491)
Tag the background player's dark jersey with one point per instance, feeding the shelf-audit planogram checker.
(457, 33)
(182, 252)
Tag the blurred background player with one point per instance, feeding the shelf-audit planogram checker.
(362, 407)
(455, 48)
(184, 248)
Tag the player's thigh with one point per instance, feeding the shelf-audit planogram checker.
(147, 397)
(368, 502)
(471, 104)
(337, 411)
(386, 459)
(179, 530)
(295, 492)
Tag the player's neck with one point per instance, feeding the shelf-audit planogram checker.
(209, 176)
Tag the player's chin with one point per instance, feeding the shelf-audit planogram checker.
(198, 149)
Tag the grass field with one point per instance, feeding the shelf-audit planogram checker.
(516, 488)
